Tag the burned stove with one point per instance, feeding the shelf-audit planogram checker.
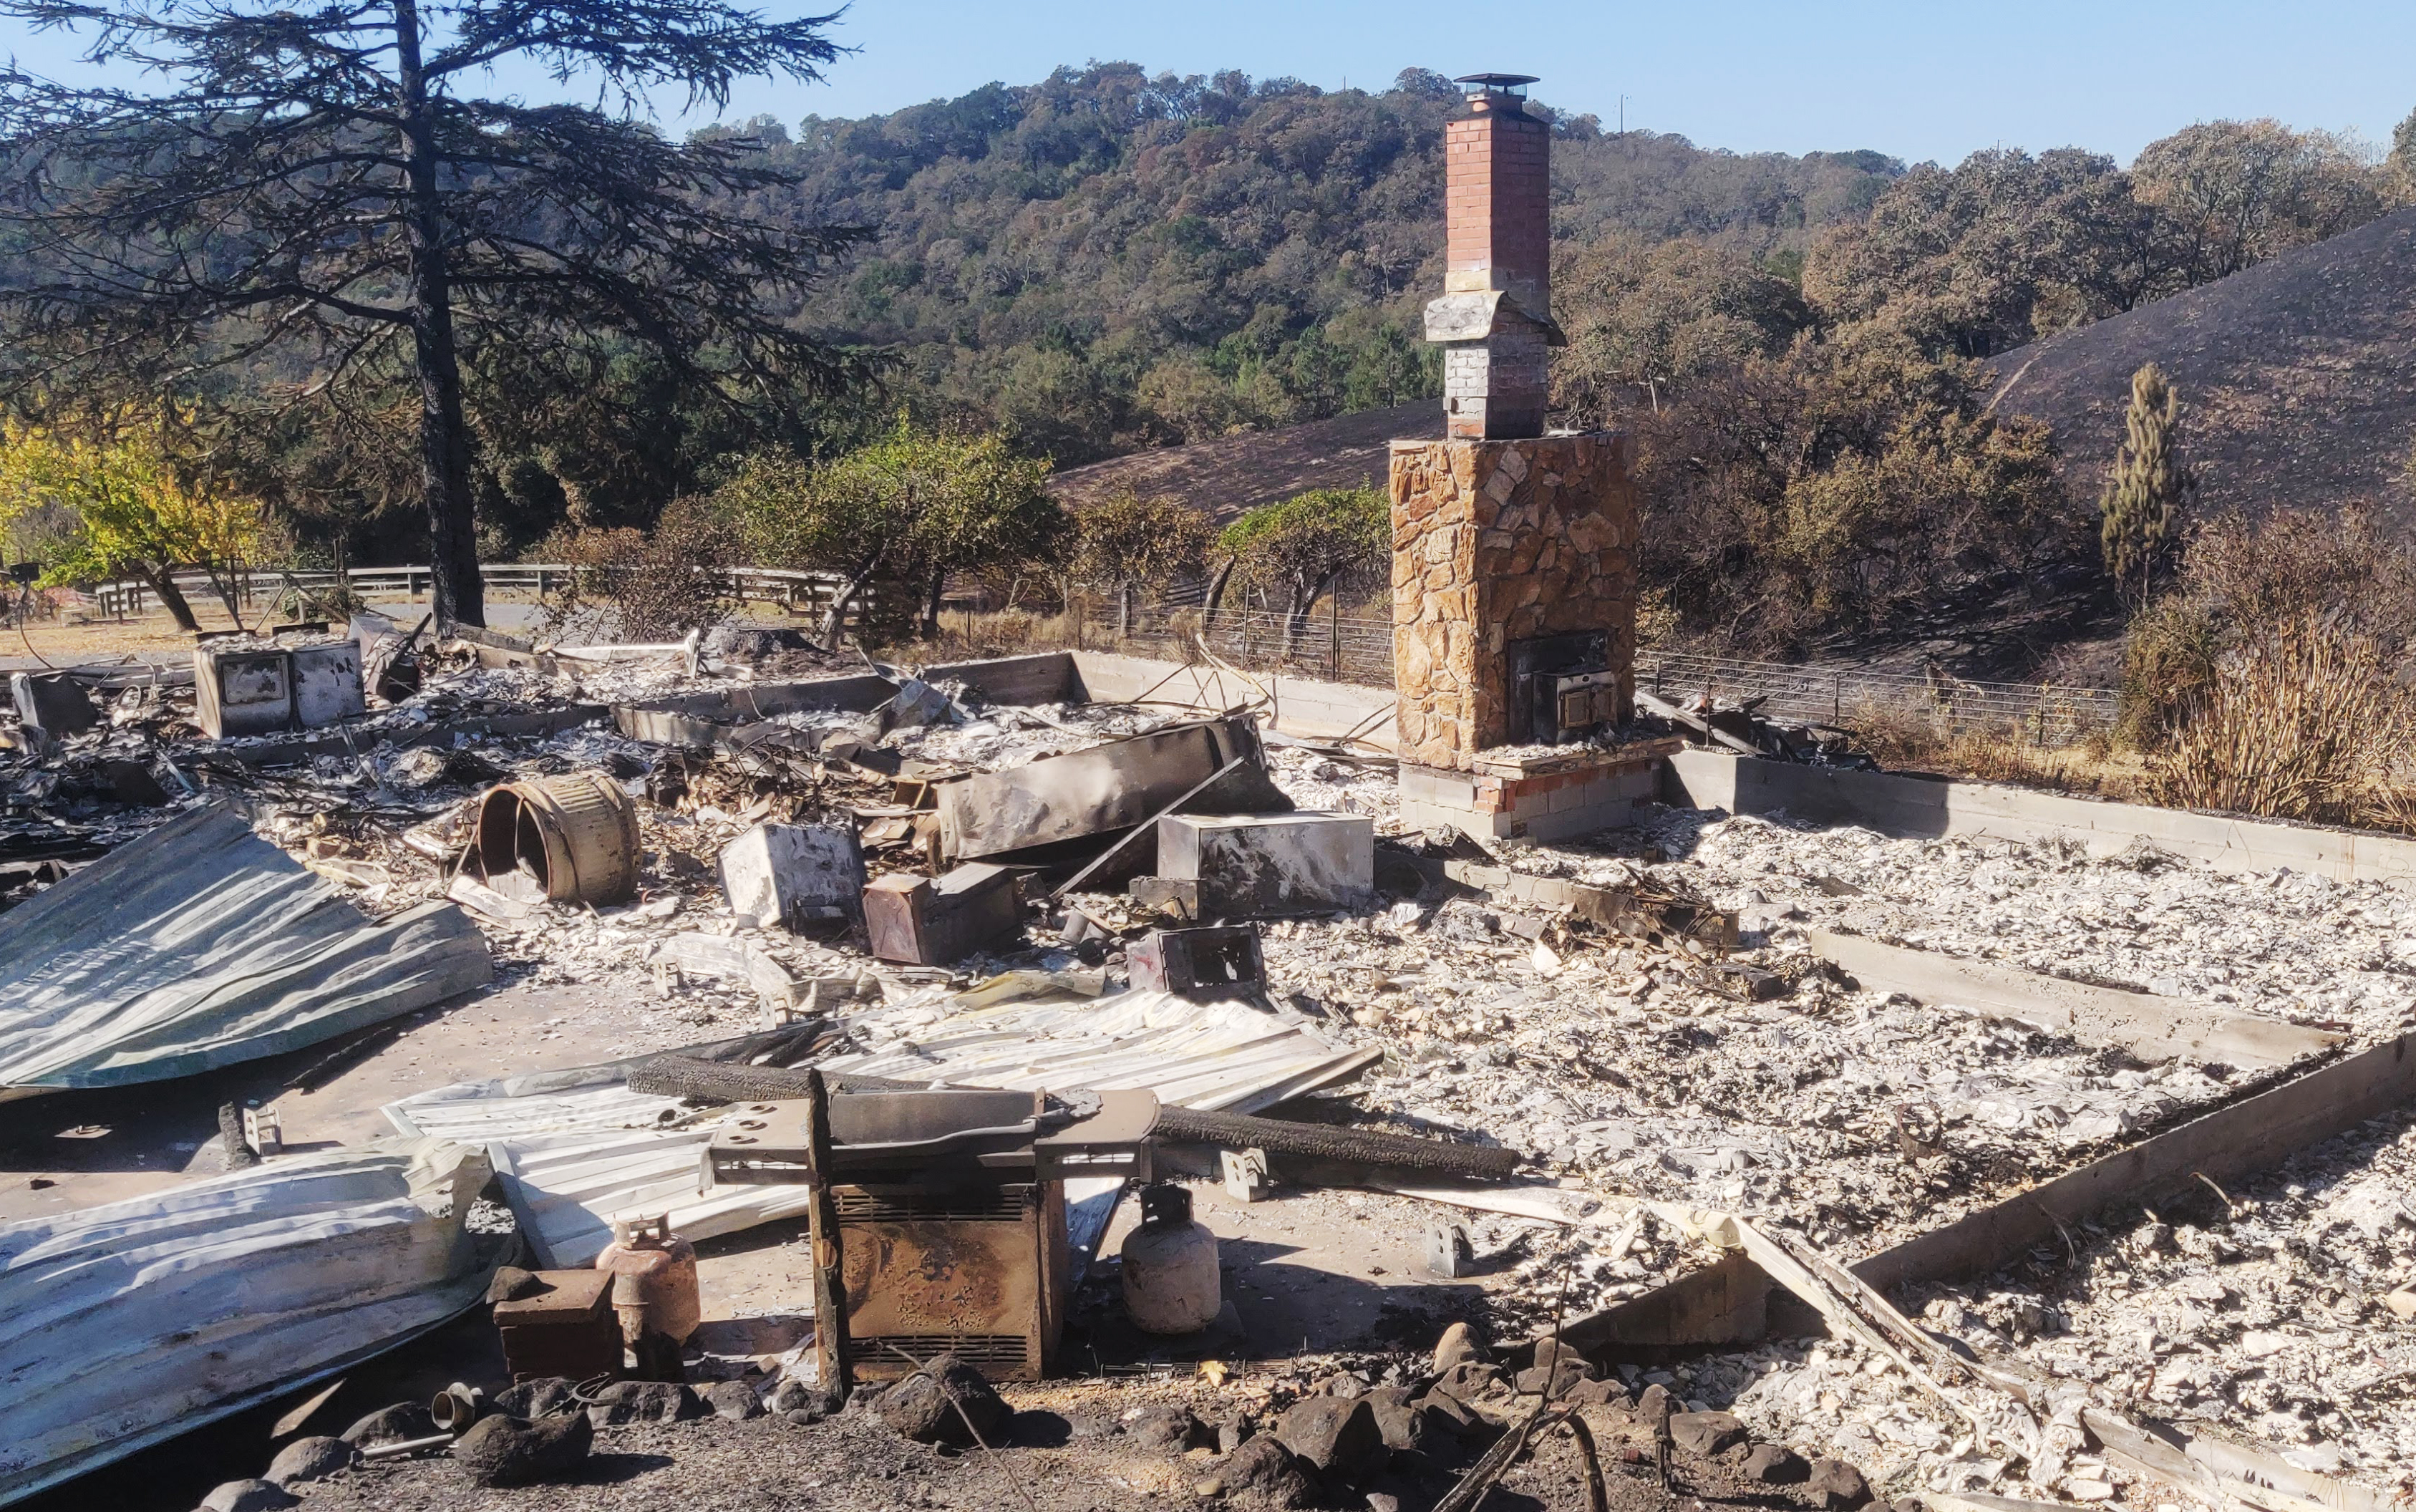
(941, 1214)
(1563, 688)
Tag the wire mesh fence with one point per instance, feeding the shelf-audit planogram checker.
(1358, 648)
(2043, 714)
(1337, 648)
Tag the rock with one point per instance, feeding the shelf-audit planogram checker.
(315, 1458)
(797, 1397)
(1654, 1408)
(1174, 1429)
(1449, 1414)
(1384, 1502)
(1399, 1419)
(1776, 1465)
(925, 1406)
(399, 1424)
(545, 1397)
(1555, 1370)
(1458, 1345)
(643, 1401)
(1263, 1473)
(503, 1450)
(1706, 1433)
(2402, 1304)
(1603, 1393)
(1335, 1435)
(1556, 1381)
(1553, 1352)
(1836, 1484)
(511, 1283)
(1233, 1433)
(249, 1496)
(1470, 1381)
(1345, 1386)
(733, 1399)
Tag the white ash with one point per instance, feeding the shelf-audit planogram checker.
(2289, 945)
(2261, 1312)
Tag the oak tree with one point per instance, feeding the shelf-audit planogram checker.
(325, 194)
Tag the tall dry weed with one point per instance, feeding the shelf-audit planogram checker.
(2303, 721)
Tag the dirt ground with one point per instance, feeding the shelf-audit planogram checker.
(1069, 1453)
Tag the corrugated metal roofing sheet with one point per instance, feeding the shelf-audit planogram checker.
(1209, 1055)
(202, 945)
(577, 1149)
(133, 1322)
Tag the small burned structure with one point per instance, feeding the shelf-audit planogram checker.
(1513, 576)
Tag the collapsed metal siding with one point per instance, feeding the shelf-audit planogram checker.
(202, 945)
(576, 1149)
(1221, 1056)
(134, 1322)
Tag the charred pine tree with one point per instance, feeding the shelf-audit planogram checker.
(319, 196)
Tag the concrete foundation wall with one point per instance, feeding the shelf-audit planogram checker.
(1912, 806)
(1046, 677)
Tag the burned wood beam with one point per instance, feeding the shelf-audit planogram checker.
(2153, 1028)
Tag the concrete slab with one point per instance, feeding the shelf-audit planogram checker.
(1257, 865)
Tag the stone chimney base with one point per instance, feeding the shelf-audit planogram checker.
(1511, 561)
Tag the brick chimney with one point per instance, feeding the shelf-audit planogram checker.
(1513, 570)
(1494, 319)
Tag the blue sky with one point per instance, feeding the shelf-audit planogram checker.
(1934, 81)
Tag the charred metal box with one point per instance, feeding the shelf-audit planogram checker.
(982, 1271)
(52, 702)
(327, 684)
(793, 874)
(568, 1329)
(259, 690)
(243, 692)
(925, 921)
(1581, 702)
(1546, 671)
(1217, 960)
(1252, 865)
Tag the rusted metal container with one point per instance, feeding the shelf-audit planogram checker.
(576, 834)
(654, 1292)
(568, 1329)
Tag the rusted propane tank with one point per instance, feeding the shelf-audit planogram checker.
(654, 1292)
(1171, 1284)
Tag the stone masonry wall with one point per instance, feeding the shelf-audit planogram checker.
(1495, 541)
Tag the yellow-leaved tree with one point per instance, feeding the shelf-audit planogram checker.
(135, 513)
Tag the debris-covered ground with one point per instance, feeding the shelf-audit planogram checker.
(1763, 1084)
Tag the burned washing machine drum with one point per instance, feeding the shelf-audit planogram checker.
(577, 835)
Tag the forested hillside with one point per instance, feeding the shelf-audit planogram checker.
(1104, 261)
(1107, 262)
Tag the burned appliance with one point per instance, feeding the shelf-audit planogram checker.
(1562, 687)
(1211, 962)
(940, 1216)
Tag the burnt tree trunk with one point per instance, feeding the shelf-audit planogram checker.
(172, 598)
(460, 598)
(931, 603)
